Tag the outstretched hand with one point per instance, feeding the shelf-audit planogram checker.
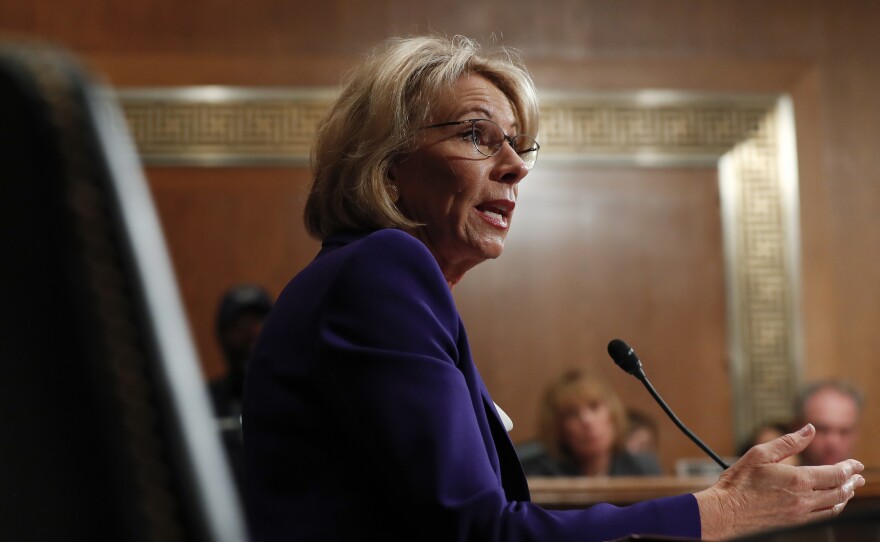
(758, 492)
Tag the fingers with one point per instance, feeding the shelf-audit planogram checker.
(842, 495)
(830, 476)
(826, 513)
(832, 500)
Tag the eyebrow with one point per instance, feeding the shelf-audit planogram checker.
(481, 109)
(475, 112)
(467, 114)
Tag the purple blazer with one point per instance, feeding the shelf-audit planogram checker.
(365, 417)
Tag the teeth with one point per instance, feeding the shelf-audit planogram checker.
(493, 213)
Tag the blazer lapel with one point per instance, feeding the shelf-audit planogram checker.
(513, 480)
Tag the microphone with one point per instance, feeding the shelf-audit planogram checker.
(626, 358)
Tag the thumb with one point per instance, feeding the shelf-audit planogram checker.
(790, 444)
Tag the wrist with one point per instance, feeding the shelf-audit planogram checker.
(715, 523)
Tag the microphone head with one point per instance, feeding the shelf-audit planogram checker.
(625, 357)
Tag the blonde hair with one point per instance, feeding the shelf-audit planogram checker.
(579, 387)
(373, 123)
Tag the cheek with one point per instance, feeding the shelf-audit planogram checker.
(607, 426)
(460, 199)
(570, 428)
(451, 186)
(465, 185)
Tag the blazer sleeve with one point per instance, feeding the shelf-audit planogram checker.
(388, 341)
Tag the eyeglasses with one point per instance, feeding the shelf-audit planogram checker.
(488, 138)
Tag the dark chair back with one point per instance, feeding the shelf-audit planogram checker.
(106, 432)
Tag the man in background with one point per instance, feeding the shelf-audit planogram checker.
(240, 316)
(834, 408)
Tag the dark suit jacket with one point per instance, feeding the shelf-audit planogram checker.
(365, 417)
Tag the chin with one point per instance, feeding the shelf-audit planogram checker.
(494, 254)
(492, 249)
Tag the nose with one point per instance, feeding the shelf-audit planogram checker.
(509, 166)
(586, 416)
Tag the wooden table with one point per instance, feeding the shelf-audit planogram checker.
(579, 492)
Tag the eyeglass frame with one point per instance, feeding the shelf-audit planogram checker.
(508, 138)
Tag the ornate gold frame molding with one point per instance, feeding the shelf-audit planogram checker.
(749, 138)
(224, 126)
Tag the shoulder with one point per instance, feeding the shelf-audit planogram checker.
(388, 239)
(391, 271)
(391, 257)
(393, 238)
(384, 249)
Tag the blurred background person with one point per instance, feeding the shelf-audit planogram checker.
(768, 431)
(240, 315)
(582, 428)
(834, 407)
(643, 435)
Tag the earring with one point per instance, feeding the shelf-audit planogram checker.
(394, 195)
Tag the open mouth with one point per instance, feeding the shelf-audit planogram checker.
(496, 213)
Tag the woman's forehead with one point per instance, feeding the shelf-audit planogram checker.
(578, 394)
(473, 96)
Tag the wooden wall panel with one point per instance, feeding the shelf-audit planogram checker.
(823, 53)
(596, 254)
(225, 226)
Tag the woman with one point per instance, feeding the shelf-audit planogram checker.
(582, 426)
(364, 415)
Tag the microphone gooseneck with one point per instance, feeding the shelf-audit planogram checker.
(626, 358)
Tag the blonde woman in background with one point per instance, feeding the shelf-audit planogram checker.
(582, 432)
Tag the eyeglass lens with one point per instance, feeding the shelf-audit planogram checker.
(489, 137)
